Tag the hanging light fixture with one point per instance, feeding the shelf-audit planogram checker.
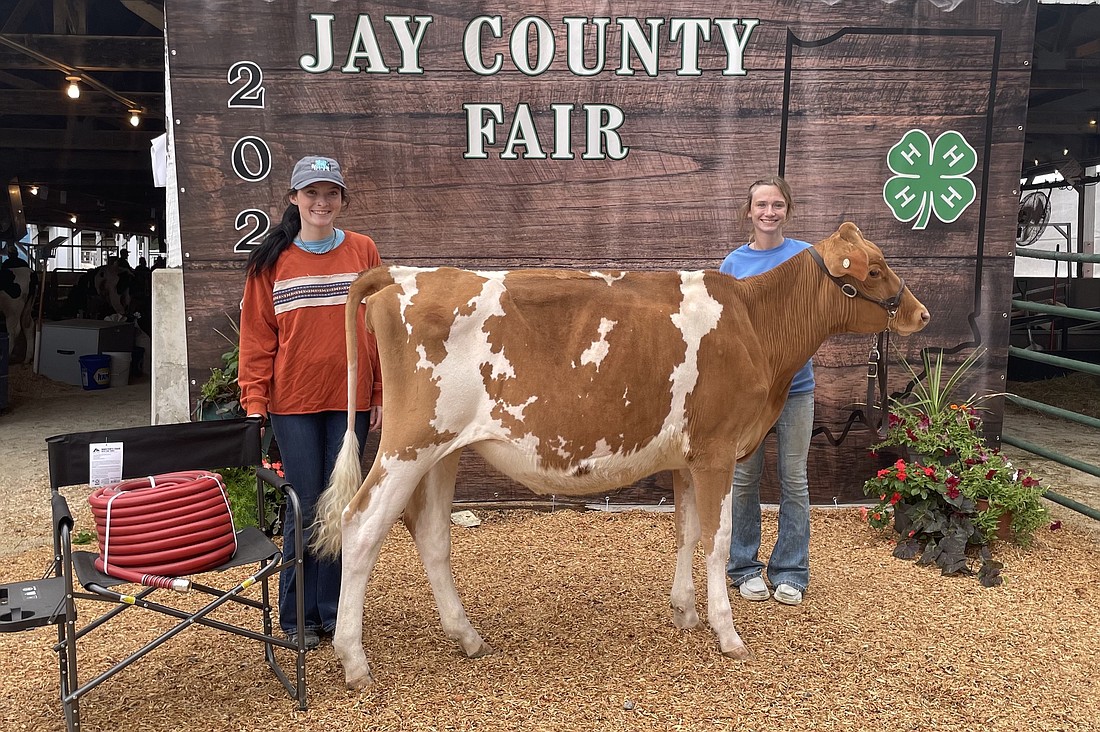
(74, 76)
(72, 219)
(34, 190)
(117, 223)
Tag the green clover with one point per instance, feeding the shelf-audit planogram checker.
(930, 178)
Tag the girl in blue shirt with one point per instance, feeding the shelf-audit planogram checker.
(768, 208)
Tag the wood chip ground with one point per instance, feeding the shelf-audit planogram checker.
(576, 605)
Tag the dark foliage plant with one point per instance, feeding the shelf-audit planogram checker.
(936, 523)
(948, 515)
(220, 395)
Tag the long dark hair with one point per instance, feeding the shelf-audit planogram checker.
(263, 257)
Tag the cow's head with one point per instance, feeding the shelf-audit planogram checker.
(880, 297)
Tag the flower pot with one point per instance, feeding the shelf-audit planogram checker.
(1004, 530)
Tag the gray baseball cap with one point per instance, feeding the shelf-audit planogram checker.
(315, 169)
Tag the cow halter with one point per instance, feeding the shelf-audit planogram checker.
(877, 405)
(891, 305)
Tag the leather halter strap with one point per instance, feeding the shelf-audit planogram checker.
(877, 406)
(875, 414)
(890, 306)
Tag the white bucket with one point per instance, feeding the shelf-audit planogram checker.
(120, 367)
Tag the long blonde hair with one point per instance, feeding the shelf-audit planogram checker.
(784, 188)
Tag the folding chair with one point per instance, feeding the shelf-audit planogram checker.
(151, 451)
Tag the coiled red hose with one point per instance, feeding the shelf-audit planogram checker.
(154, 529)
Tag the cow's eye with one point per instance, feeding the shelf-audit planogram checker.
(875, 273)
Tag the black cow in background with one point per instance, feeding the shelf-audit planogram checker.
(102, 292)
(18, 289)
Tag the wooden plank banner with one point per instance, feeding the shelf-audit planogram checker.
(552, 134)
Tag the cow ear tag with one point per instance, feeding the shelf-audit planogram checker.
(846, 263)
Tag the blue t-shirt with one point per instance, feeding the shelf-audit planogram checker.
(321, 246)
(745, 262)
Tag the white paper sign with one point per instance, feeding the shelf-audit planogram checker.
(104, 463)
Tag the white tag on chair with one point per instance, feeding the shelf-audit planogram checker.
(104, 463)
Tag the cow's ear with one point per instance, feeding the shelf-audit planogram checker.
(856, 263)
(850, 231)
(843, 258)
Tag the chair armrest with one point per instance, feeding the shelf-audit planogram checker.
(62, 539)
(272, 478)
(60, 508)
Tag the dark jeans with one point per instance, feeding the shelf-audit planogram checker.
(309, 444)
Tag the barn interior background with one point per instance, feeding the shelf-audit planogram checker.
(818, 92)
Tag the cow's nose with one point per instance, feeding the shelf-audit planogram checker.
(924, 316)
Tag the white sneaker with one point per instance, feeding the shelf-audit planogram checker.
(788, 594)
(755, 590)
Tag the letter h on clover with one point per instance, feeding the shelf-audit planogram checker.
(930, 178)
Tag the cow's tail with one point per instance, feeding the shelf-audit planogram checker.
(346, 473)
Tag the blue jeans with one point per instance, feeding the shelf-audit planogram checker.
(789, 562)
(309, 444)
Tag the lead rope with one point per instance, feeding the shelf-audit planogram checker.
(877, 406)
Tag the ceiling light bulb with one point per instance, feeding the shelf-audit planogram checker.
(135, 117)
(72, 219)
(34, 190)
(117, 223)
(1065, 151)
(1092, 122)
(152, 227)
(74, 87)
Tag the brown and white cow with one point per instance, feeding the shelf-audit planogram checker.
(574, 383)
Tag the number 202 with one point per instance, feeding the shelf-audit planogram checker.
(251, 158)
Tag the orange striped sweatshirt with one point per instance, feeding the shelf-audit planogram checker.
(293, 359)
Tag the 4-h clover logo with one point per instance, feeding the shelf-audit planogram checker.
(930, 178)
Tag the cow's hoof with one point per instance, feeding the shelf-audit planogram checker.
(685, 620)
(483, 650)
(740, 653)
(359, 682)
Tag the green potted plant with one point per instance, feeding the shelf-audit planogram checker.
(220, 395)
(952, 495)
(240, 484)
(931, 423)
(1008, 499)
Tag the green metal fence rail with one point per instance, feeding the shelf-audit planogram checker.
(1068, 312)
(1061, 362)
(1060, 256)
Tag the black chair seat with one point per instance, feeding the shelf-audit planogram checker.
(253, 546)
(33, 603)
